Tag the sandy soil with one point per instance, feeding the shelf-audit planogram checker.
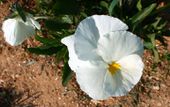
(28, 80)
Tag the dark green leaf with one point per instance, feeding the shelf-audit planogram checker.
(20, 11)
(104, 4)
(70, 7)
(167, 56)
(164, 8)
(45, 50)
(47, 41)
(166, 32)
(112, 6)
(67, 74)
(56, 25)
(62, 54)
(140, 16)
(155, 24)
(84, 14)
(159, 24)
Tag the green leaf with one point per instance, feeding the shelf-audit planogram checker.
(47, 41)
(69, 7)
(20, 11)
(152, 38)
(112, 6)
(162, 25)
(67, 74)
(164, 8)
(56, 25)
(167, 56)
(155, 52)
(67, 19)
(148, 45)
(104, 4)
(139, 5)
(140, 16)
(62, 54)
(84, 14)
(155, 24)
(156, 55)
(45, 50)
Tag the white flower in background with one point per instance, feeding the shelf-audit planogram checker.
(16, 30)
(105, 57)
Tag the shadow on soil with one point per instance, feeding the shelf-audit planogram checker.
(10, 97)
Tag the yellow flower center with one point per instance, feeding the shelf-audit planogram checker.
(114, 67)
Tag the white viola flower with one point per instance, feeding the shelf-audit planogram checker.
(16, 30)
(105, 57)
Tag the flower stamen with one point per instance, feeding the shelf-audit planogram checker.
(114, 67)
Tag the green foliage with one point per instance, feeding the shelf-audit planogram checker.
(67, 74)
(142, 16)
(66, 7)
(45, 50)
(48, 41)
(1, 1)
(20, 11)
(139, 5)
(56, 25)
(112, 5)
(167, 56)
(152, 46)
(144, 19)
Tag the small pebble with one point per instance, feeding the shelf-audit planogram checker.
(155, 87)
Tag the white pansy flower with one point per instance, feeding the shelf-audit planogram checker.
(105, 57)
(16, 30)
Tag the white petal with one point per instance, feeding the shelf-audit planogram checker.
(125, 79)
(73, 59)
(35, 23)
(15, 31)
(113, 85)
(106, 24)
(8, 29)
(132, 67)
(91, 79)
(90, 30)
(73, 62)
(118, 44)
(86, 38)
(90, 76)
(32, 22)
